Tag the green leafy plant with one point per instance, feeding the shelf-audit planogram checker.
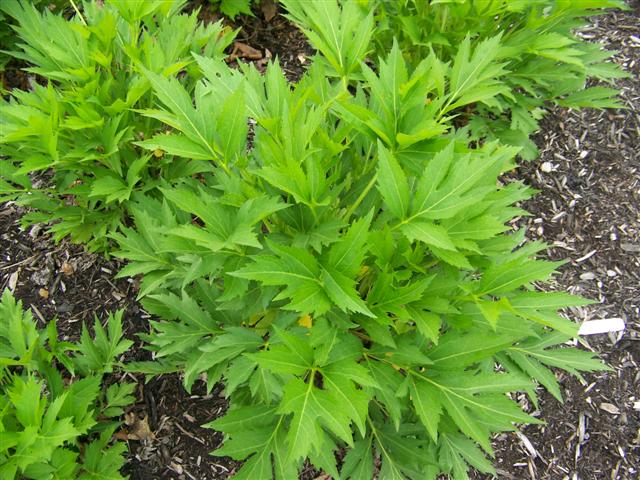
(53, 426)
(341, 35)
(357, 251)
(78, 134)
(233, 8)
(534, 41)
(358, 254)
(7, 34)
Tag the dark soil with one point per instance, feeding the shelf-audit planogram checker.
(588, 211)
(277, 38)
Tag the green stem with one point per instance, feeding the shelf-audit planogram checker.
(361, 197)
(75, 7)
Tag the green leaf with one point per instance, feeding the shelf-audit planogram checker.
(402, 454)
(178, 145)
(538, 372)
(341, 290)
(570, 359)
(232, 126)
(110, 187)
(492, 310)
(25, 396)
(456, 451)
(429, 233)
(102, 461)
(593, 97)
(358, 463)
(388, 381)
(427, 404)
(427, 323)
(98, 354)
(296, 269)
(293, 356)
(541, 307)
(465, 422)
(455, 350)
(347, 255)
(233, 8)
(311, 407)
(119, 395)
(509, 276)
(338, 381)
(82, 399)
(392, 183)
(183, 116)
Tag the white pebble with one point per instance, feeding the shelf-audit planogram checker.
(547, 167)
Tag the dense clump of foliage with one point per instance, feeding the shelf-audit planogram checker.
(537, 57)
(83, 127)
(358, 252)
(7, 34)
(56, 416)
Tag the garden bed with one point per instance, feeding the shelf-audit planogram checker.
(588, 210)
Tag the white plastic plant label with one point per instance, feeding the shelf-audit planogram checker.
(604, 325)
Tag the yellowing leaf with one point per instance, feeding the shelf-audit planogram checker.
(305, 321)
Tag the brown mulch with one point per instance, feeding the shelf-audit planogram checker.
(588, 210)
(277, 38)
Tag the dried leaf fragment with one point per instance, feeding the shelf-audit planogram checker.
(138, 427)
(242, 50)
(269, 9)
(610, 408)
(13, 280)
(67, 269)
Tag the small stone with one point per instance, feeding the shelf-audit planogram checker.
(612, 273)
(610, 408)
(588, 276)
(630, 247)
(41, 277)
(35, 230)
(613, 237)
(547, 167)
(64, 308)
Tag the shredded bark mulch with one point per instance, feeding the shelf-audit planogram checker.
(588, 210)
